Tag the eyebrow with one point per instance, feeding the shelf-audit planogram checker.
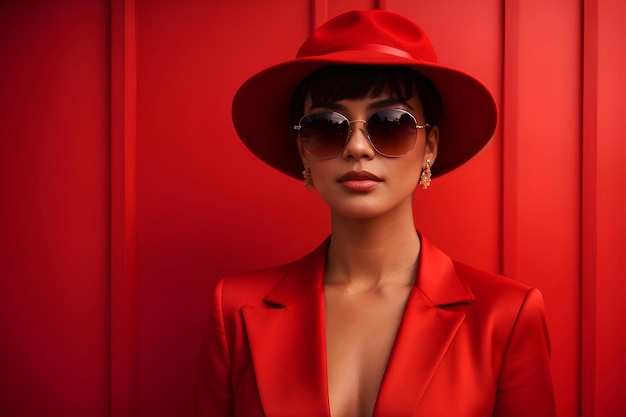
(333, 105)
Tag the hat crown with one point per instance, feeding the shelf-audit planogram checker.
(370, 30)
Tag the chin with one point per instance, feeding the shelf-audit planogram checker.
(361, 211)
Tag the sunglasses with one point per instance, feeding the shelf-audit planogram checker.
(391, 133)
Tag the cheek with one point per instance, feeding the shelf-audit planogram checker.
(408, 171)
(320, 173)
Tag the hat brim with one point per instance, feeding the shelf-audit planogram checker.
(260, 109)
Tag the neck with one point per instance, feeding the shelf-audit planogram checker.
(373, 252)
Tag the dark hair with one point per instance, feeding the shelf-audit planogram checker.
(339, 82)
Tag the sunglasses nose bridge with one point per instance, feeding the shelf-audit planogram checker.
(362, 146)
(351, 129)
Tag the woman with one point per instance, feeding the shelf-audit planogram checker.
(376, 321)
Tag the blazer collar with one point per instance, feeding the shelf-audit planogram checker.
(287, 337)
(436, 277)
(306, 275)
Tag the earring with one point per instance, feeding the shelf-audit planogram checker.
(308, 179)
(426, 175)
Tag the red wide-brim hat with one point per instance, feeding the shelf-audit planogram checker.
(369, 37)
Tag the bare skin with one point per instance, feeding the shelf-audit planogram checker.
(369, 276)
(372, 258)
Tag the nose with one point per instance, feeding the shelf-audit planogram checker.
(358, 145)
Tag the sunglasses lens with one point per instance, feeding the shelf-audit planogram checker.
(324, 134)
(392, 132)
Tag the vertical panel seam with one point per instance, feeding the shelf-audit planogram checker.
(588, 246)
(123, 368)
(319, 13)
(509, 189)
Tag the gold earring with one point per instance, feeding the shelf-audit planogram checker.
(425, 178)
(308, 179)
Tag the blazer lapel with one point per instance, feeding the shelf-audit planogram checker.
(425, 333)
(287, 341)
(287, 338)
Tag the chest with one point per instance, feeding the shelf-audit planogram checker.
(360, 334)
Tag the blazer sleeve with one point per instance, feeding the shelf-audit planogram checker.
(213, 394)
(525, 383)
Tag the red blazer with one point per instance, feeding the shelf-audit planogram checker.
(470, 343)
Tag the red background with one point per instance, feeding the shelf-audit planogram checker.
(125, 194)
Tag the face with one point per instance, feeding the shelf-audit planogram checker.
(359, 182)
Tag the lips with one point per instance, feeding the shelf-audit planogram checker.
(358, 176)
(359, 181)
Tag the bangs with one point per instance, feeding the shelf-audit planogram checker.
(356, 82)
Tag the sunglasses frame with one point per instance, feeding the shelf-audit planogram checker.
(298, 128)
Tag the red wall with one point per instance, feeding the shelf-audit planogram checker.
(541, 113)
(126, 195)
(54, 208)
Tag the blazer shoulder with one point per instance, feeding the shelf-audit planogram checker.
(274, 284)
(251, 287)
(481, 280)
(495, 292)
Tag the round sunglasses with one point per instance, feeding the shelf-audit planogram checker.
(391, 132)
